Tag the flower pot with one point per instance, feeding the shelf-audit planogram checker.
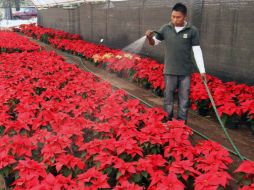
(119, 74)
(250, 124)
(145, 84)
(158, 92)
(231, 122)
(9, 180)
(203, 111)
(203, 107)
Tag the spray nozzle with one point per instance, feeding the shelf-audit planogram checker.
(154, 31)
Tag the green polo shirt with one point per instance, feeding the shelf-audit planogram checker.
(178, 48)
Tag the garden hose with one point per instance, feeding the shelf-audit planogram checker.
(219, 119)
(236, 152)
(195, 131)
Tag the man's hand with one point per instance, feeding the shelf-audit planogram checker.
(149, 34)
(203, 77)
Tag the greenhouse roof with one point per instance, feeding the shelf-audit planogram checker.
(50, 3)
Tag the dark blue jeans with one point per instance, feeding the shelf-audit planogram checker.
(182, 83)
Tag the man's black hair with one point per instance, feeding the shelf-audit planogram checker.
(180, 7)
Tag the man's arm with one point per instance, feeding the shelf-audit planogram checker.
(198, 53)
(198, 56)
(149, 36)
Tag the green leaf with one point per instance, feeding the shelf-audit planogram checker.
(224, 118)
(66, 172)
(154, 150)
(123, 156)
(136, 178)
(144, 174)
(84, 95)
(246, 182)
(131, 73)
(23, 132)
(119, 174)
(97, 165)
(108, 170)
(63, 84)
(2, 128)
(44, 38)
(146, 145)
(16, 175)
(83, 153)
(6, 171)
(220, 188)
(36, 154)
(12, 132)
(76, 171)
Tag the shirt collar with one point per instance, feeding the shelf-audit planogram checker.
(186, 25)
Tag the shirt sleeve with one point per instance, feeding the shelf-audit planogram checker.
(156, 41)
(160, 35)
(198, 56)
(195, 38)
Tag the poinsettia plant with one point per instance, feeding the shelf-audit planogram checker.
(246, 175)
(45, 34)
(248, 110)
(65, 128)
(198, 95)
(231, 99)
(16, 44)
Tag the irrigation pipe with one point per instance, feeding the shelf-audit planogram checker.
(236, 152)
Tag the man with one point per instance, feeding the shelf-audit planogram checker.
(180, 38)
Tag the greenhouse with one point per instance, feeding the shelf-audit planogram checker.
(126, 95)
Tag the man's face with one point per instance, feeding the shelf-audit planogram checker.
(177, 18)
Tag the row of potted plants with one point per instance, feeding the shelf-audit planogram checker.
(235, 102)
(44, 34)
(63, 128)
(12, 42)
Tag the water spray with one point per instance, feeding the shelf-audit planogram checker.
(136, 46)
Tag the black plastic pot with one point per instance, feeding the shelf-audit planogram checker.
(232, 124)
(158, 92)
(146, 84)
(251, 126)
(203, 111)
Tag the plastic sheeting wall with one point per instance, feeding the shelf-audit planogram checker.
(228, 40)
(226, 29)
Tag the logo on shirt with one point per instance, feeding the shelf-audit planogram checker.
(185, 36)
